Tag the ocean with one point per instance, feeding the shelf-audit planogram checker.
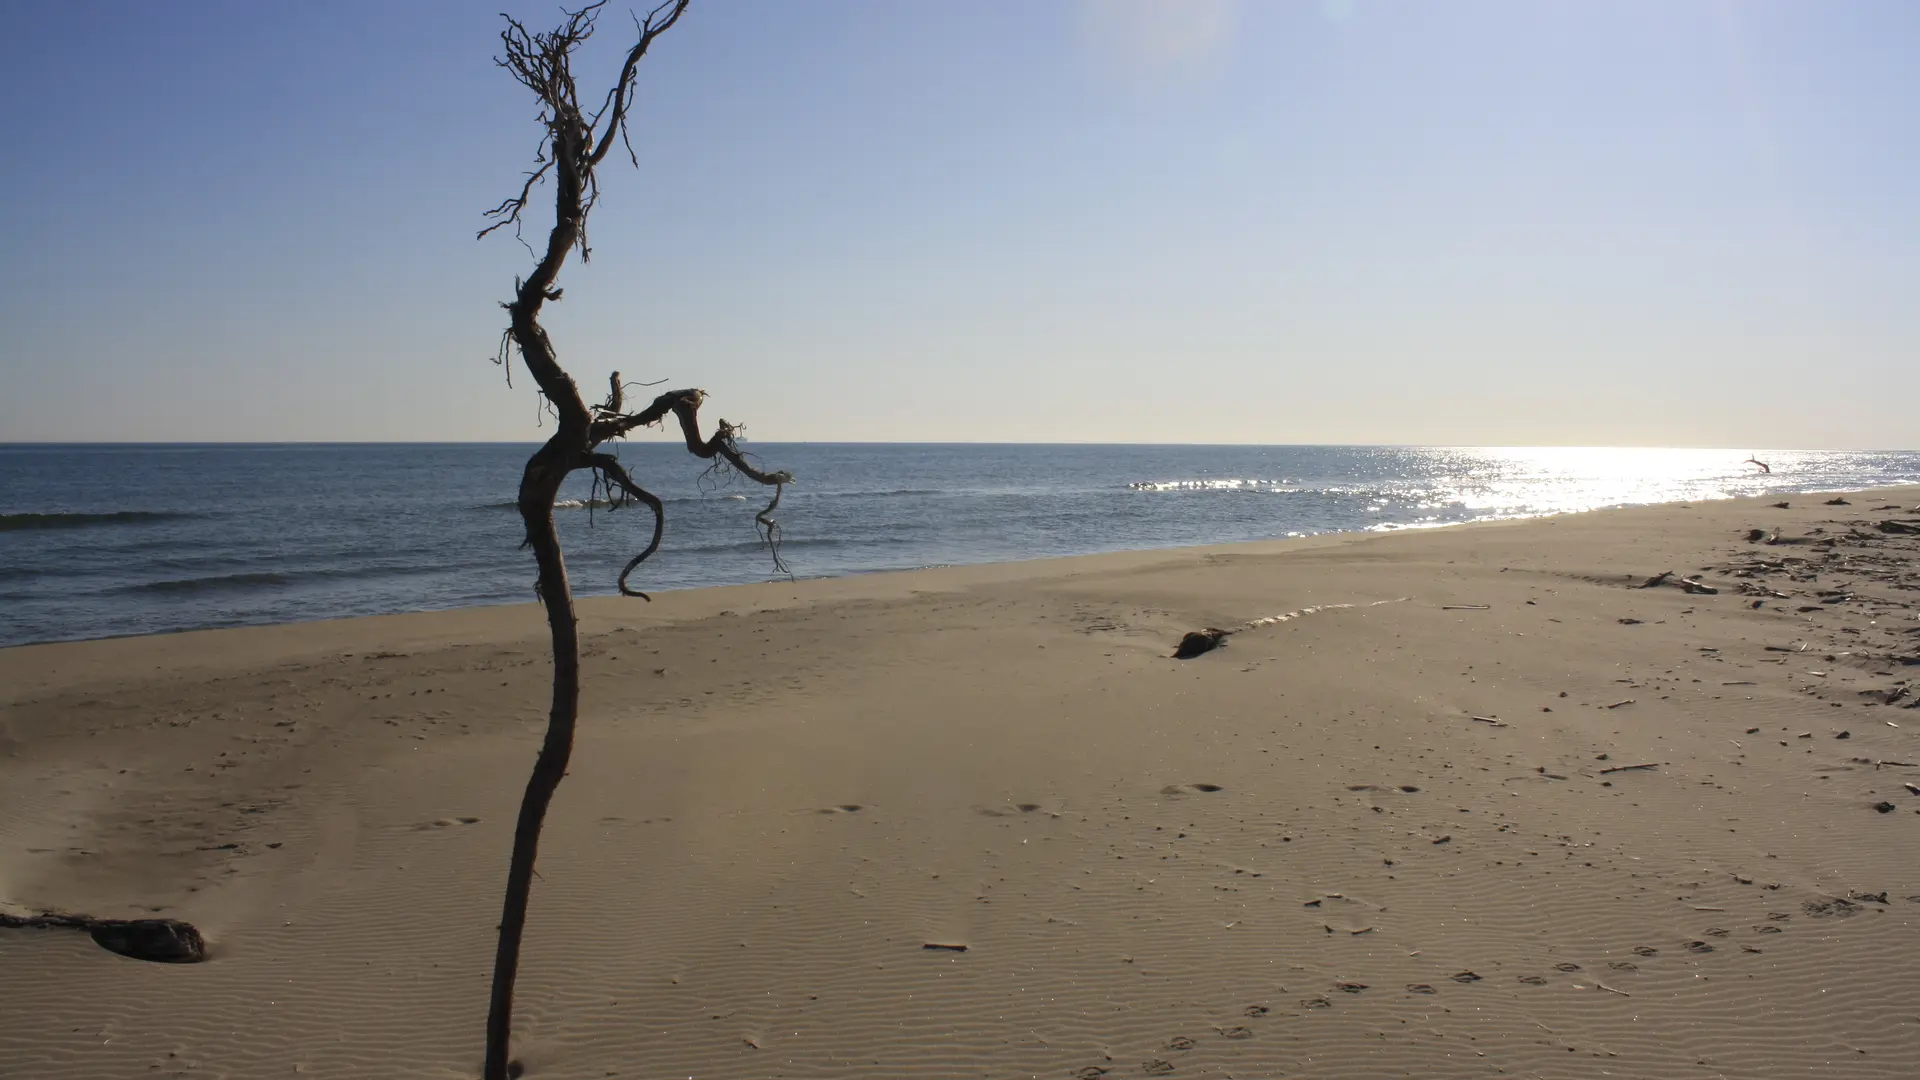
(109, 540)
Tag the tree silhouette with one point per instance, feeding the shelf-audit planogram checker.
(574, 144)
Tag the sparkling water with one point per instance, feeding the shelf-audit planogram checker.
(97, 541)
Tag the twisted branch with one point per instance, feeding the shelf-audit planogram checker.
(572, 146)
(615, 476)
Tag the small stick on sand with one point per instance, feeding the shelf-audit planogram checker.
(1630, 768)
(1466, 607)
(1489, 720)
(1617, 704)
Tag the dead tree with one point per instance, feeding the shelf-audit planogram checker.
(577, 139)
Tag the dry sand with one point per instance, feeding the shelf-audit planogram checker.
(1304, 854)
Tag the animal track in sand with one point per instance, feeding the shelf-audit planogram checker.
(441, 823)
(1180, 1042)
(1183, 789)
(843, 808)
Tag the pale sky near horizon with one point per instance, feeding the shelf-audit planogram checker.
(1664, 222)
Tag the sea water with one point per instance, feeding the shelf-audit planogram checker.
(98, 541)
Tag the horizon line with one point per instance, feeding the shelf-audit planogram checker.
(239, 443)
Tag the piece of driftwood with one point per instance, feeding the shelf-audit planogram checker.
(1630, 768)
(1690, 584)
(1200, 641)
(161, 941)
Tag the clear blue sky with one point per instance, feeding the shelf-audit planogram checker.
(1673, 222)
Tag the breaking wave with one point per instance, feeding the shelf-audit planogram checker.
(216, 583)
(1273, 487)
(266, 579)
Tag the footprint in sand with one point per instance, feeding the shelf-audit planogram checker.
(442, 823)
(1184, 789)
(1566, 967)
(1645, 950)
(1091, 1072)
(1699, 947)
(1533, 980)
(1237, 1031)
(1420, 988)
(843, 808)
(1156, 1067)
(1257, 1010)
(1001, 811)
(1180, 1042)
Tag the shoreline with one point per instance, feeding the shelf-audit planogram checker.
(1388, 529)
(1523, 793)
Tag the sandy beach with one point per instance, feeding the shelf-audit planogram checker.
(1479, 805)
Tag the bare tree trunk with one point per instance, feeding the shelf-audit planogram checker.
(538, 488)
(575, 143)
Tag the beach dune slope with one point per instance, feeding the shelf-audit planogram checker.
(1480, 804)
